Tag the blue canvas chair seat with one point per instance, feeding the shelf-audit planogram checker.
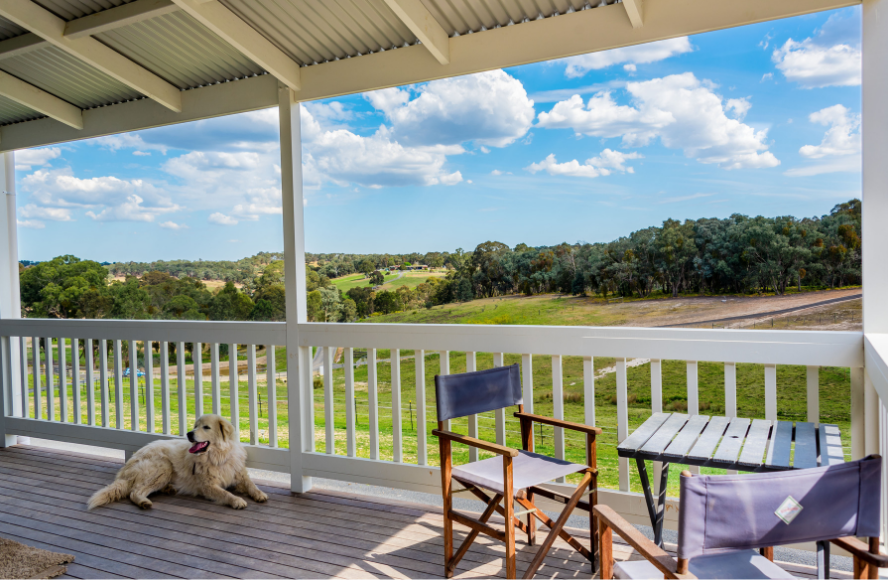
(512, 477)
(730, 564)
(528, 469)
(724, 519)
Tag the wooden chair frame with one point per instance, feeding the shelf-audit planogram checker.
(588, 485)
(867, 557)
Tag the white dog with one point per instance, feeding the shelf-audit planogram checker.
(213, 461)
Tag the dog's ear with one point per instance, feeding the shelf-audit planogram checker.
(227, 429)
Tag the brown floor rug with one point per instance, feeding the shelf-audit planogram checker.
(21, 561)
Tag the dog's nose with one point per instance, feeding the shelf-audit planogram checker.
(190, 436)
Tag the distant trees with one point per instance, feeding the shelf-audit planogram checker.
(377, 278)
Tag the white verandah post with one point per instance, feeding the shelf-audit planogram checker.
(875, 214)
(299, 391)
(10, 299)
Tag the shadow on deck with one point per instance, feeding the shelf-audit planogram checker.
(43, 495)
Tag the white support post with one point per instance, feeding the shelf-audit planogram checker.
(10, 304)
(300, 396)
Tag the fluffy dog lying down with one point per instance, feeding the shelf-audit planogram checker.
(210, 462)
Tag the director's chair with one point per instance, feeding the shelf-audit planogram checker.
(515, 475)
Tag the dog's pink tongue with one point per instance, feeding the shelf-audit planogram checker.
(198, 447)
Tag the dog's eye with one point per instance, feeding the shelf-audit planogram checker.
(206, 427)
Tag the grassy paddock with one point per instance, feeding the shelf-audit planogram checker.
(791, 404)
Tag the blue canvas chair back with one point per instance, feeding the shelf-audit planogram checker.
(738, 511)
(477, 392)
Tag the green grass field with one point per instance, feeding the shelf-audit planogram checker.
(791, 380)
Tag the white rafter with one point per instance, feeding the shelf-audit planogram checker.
(51, 28)
(634, 9)
(420, 21)
(30, 96)
(118, 16)
(20, 45)
(228, 26)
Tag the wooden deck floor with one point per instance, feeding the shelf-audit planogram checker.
(321, 534)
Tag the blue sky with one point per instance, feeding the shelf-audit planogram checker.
(760, 120)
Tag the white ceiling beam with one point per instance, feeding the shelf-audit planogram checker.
(634, 10)
(582, 32)
(420, 21)
(51, 28)
(20, 45)
(119, 16)
(228, 26)
(99, 22)
(30, 96)
(259, 92)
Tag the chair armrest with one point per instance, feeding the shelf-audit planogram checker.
(860, 550)
(560, 423)
(651, 551)
(472, 442)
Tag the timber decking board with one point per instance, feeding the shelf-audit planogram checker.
(732, 441)
(756, 443)
(319, 534)
(805, 455)
(686, 437)
(831, 452)
(709, 439)
(641, 435)
(663, 437)
(780, 447)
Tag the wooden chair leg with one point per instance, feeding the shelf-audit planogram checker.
(464, 547)
(605, 550)
(768, 553)
(447, 491)
(556, 530)
(592, 462)
(509, 515)
(531, 521)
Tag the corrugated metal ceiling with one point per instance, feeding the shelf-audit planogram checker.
(180, 50)
(71, 9)
(12, 112)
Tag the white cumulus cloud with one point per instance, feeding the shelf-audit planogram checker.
(222, 219)
(58, 214)
(490, 108)
(32, 224)
(605, 164)
(631, 56)
(831, 57)
(26, 159)
(169, 225)
(840, 149)
(683, 111)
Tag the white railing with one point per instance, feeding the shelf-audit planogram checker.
(104, 420)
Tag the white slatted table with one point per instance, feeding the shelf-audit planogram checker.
(727, 443)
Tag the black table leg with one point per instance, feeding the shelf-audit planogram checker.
(661, 505)
(646, 486)
(823, 559)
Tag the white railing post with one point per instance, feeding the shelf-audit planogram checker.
(657, 407)
(622, 419)
(300, 395)
(10, 303)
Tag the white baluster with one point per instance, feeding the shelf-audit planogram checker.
(63, 381)
(252, 391)
(421, 443)
(197, 359)
(813, 394)
(373, 403)
(271, 388)
(149, 384)
(118, 385)
(730, 389)
(89, 360)
(397, 443)
(50, 379)
(444, 369)
(75, 380)
(657, 407)
(558, 407)
(471, 366)
(693, 400)
(26, 391)
(103, 377)
(350, 412)
(181, 388)
(499, 414)
(233, 390)
(165, 387)
(771, 392)
(329, 406)
(134, 385)
(214, 379)
(622, 419)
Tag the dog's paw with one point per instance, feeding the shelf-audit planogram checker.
(238, 503)
(145, 504)
(169, 490)
(260, 497)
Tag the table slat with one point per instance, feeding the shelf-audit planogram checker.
(686, 437)
(641, 435)
(708, 441)
(831, 452)
(661, 439)
(756, 443)
(732, 441)
(805, 446)
(781, 445)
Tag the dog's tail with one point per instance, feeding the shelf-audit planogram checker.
(114, 492)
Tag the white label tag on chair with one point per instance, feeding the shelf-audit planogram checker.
(788, 510)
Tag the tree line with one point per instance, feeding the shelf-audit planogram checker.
(738, 255)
